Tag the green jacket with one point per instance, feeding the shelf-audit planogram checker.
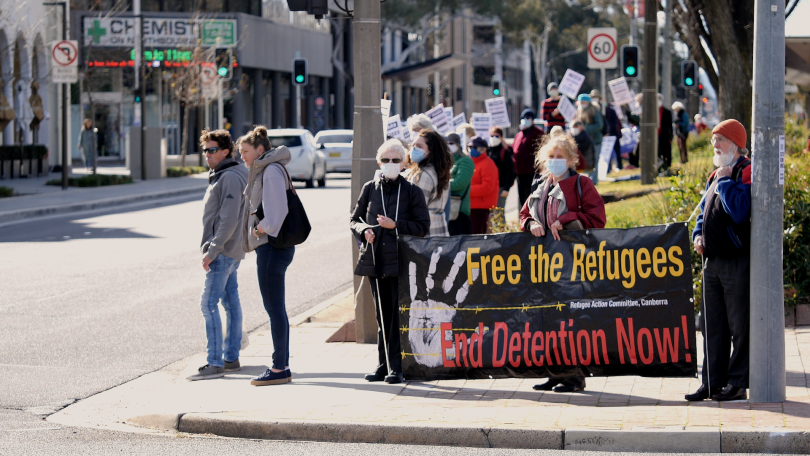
(461, 175)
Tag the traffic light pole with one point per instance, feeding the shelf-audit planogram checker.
(767, 334)
(649, 105)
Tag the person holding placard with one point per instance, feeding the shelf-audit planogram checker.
(501, 155)
(524, 148)
(549, 109)
(613, 125)
(594, 122)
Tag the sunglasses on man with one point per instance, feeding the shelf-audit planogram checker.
(212, 150)
(391, 160)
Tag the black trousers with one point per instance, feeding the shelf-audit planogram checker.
(665, 153)
(726, 308)
(461, 225)
(524, 184)
(388, 321)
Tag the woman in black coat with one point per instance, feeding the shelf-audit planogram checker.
(388, 206)
(501, 154)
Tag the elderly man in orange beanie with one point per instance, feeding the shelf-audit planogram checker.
(722, 236)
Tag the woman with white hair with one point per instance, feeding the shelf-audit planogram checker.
(389, 206)
(417, 123)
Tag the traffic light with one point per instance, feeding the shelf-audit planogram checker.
(630, 63)
(316, 7)
(496, 88)
(224, 62)
(689, 74)
(137, 95)
(300, 72)
(700, 90)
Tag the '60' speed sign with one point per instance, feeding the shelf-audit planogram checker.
(602, 48)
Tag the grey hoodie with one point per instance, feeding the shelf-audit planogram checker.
(224, 205)
(267, 186)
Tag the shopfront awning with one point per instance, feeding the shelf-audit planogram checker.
(797, 61)
(417, 70)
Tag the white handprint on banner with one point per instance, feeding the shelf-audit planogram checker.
(426, 316)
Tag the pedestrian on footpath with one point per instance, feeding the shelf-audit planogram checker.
(388, 206)
(564, 200)
(266, 210)
(722, 236)
(681, 119)
(87, 142)
(461, 175)
(501, 155)
(613, 125)
(484, 188)
(222, 252)
(524, 147)
(549, 109)
(431, 173)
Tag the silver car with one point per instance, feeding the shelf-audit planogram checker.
(308, 164)
(337, 146)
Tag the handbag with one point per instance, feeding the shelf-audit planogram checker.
(455, 203)
(576, 224)
(296, 228)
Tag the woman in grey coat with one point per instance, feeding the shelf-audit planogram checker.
(87, 142)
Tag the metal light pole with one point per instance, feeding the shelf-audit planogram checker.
(767, 336)
(649, 105)
(666, 76)
(140, 81)
(65, 88)
(367, 136)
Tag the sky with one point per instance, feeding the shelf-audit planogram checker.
(796, 24)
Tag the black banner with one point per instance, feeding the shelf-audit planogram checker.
(596, 303)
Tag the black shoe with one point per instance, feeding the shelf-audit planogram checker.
(548, 386)
(568, 388)
(702, 394)
(376, 376)
(396, 377)
(730, 393)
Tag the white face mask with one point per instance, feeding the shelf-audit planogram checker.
(390, 170)
(553, 93)
(453, 148)
(721, 158)
(525, 123)
(494, 141)
(660, 103)
(575, 131)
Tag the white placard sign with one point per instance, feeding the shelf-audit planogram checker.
(392, 127)
(481, 123)
(635, 108)
(497, 108)
(385, 109)
(458, 120)
(64, 62)
(608, 142)
(449, 113)
(439, 119)
(620, 91)
(571, 83)
(567, 109)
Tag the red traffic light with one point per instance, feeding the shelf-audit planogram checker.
(700, 86)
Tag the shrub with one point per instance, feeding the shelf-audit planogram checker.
(180, 171)
(5, 192)
(93, 180)
(796, 247)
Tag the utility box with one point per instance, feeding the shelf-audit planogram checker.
(154, 156)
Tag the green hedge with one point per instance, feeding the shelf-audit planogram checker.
(94, 180)
(5, 192)
(30, 151)
(180, 171)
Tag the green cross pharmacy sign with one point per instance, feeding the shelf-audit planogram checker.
(218, 32)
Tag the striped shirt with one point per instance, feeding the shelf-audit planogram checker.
(546, 108)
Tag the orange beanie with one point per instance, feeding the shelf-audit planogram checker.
(732, 130)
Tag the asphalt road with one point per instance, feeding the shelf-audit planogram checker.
(92, 300)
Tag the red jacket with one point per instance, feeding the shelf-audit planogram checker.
(592, 212)
(525, 145)
(484, 187)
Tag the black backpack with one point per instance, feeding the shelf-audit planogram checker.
(296, 228)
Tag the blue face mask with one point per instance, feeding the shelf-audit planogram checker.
(474, 153)
(417, 155)
(557, 166)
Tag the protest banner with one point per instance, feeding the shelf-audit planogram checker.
(458, 120)
(496, 107)
(571, 83)
(439, 119)
(620, 91)
(393, 128)
(604, 156)
(385, 110)
(449, 113)
(602, 302)
(567, 109)
(481, 123)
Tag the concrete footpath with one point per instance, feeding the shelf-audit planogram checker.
(328, 400)
(36, 199)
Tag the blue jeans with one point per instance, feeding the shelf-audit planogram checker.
(220, 284)
(271, 264)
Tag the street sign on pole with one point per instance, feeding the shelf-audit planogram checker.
(208, 80)
(64, 62)
(602, 48)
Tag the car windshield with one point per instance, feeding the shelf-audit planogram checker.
(334, 139)
(289, 141)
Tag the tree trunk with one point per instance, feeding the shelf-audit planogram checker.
(184, 145)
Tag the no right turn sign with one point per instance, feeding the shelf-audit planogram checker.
(64, 62)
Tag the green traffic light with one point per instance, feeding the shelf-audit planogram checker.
(299, 79)
(631, 70)
(689, 81)
(222, 71)
(496, 92)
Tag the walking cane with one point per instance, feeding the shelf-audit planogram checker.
(706, 326)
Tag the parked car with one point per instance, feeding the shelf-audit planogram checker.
(337, 146)
(308, 164)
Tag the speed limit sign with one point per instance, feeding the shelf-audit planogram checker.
(602, 48)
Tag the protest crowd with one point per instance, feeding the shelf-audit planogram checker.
(434, 185)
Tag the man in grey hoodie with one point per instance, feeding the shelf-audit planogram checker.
(222, 251)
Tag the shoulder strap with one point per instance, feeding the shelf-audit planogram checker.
(289, 179)
(579, 192)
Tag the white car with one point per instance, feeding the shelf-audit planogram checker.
(337, 146)
(308, 164)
